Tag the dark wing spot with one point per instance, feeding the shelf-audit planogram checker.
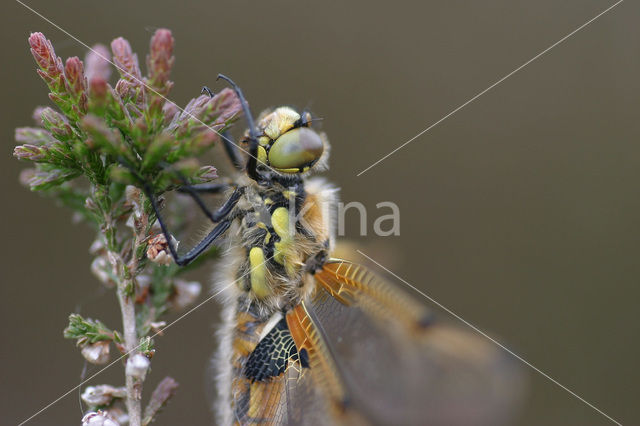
(271, 356)
(304, 358)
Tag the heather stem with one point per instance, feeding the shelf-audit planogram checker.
(126, 298)
(134, 385)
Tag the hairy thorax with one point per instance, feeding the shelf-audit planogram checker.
(280, 236)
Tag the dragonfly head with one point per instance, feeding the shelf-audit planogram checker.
(288, 144)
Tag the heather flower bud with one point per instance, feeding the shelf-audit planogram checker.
(102, 136)
(206, 174)
(185, 294)
(137, 366)
(126, 61)
(204, 138)
(98, 418)
(30, 152)
(56, 123)
(125, 89)
(39, 179)
(26, 175)
(74, 72)
(97, 63)
(33, 136)
(96, 353)
(37, 115)
(169, 109)
(45, 56)
(98, 88)
(160, 60)
(102, 394)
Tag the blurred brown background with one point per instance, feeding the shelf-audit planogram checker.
(521, 212)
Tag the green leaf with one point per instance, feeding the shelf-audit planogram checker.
(87, 330)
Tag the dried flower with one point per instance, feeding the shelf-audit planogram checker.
(185, 293)
(161, 395)
(118, 415)
(158, 250)
(98, 418)
(96, 353)
(157, 327)
(94, 396)
(103, 271)
(137, 366)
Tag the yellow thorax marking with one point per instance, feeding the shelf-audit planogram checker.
(262, 155)
(280, 223)
(267, 237)
(258, 274)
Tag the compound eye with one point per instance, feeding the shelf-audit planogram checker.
(296, 149)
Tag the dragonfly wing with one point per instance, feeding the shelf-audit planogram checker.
(272, 383)
(396, 365)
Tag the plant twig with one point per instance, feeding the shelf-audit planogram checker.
(92, 153)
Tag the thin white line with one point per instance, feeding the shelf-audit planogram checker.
(154, 335)
(494, 341)
(490, 87)
(141, 82)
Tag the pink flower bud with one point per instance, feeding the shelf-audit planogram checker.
(37, 115)
(207, 174)
(125, 89)
(160, 60)
(26, 176)
(126, 61)
(56, 122)
(169, 109)
(33, 136)
(45, 56)
(30, 152)
(74, 72)
(97, 63)
(98, 88)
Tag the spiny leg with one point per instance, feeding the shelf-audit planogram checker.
(252, 161)
(216, 232)
(193, 193)
(217, 216)
(210, 188)
(230, 147)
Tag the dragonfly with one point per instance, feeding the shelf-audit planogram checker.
(309, 338)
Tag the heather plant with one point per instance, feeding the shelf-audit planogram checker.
(93, 151)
